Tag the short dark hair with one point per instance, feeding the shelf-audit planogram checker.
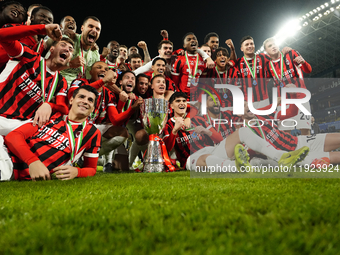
(157, 76)
(244, 38)
(35, 10)
(88, 88)
(135, 55)
(120, 77)
(156, 59)
(142, 75)
(5, 4)
(66, 39)
(164, 42)
(189, 33)
(223, 50)
(63, 18)
(91, 17)
(177, 94)
(211, 34)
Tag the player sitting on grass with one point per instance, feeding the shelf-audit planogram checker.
(193, 146)
(105, 116)
(38, 152)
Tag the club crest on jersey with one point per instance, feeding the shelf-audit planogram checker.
(287, 62)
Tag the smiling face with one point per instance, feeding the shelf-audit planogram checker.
(98, 71)
(213, 105)
(61, 53)
(248, 47)
(190, 43)
(135, 63)
(221, 59)
(213, 43)
(42, 16)
(82, 104)
(113, 49)
(158, 85)
(128, 82)
(158, 67)
(90, 32)
(13, 13)
(69, 23)
(165, 51)
(179, 105)
(142, 85)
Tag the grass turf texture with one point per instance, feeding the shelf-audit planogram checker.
(170, 213)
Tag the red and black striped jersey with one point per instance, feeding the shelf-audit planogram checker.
(292, 73)
(106, 108)
(266, 127)
(105, 100)
(186, 142)
(182, 74)
(50, 144)
(20, 86)
(259, 84)
(28, 41)
(214, 76)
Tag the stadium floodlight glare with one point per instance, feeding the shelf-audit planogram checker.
(305, 24)
(322, 6)
(326, 4)
(331, 9)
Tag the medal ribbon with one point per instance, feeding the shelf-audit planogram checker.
(274, 70)
(196, 65)
(94, 115)
(165, 155)
(209, 120)
(74, 142)
(43, 80)
(252, 71)
(39, 45)
(128, 104)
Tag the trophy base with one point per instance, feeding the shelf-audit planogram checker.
(153, 168)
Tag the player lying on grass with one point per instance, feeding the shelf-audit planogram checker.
(320, 145)
(38, 152)
(194, 144)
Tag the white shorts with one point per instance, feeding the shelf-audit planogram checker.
(315, 143)
(103, 127)
(6, 165)
(300, 121)
(218, 151)
(8, 125)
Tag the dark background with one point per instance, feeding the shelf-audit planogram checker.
(128, 22)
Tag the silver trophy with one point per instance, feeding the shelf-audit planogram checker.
(154, 114)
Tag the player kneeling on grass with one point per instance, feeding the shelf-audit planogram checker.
(38, 152)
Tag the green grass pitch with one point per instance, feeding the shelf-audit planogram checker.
(170, 213)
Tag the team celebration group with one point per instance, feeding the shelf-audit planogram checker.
(64, 102)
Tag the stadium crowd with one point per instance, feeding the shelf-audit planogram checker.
(64, 102)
